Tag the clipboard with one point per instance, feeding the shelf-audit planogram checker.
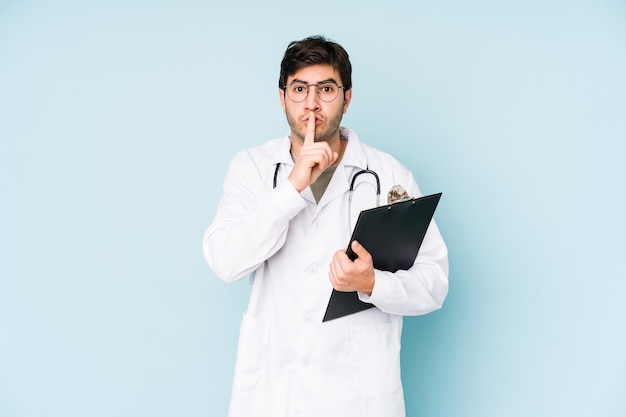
(392, 234)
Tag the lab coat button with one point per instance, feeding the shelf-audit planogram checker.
(316, 225)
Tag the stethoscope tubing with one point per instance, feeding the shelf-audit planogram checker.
(350, 191)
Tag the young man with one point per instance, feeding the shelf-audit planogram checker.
(284, 218)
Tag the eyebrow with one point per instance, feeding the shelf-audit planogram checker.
(328, 80)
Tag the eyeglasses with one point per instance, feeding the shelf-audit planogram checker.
(327, 91)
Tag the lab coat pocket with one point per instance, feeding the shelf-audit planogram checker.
(251, 352)
(376, 359)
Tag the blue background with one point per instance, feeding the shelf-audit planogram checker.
(118, 119)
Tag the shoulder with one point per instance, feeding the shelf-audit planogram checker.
(261, 156)
(372, 154)
(382, 160)
(362, 154)
(264, 151)
(390, 170)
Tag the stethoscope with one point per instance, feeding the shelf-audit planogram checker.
(352, 186)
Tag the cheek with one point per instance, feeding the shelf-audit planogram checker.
(292, 120)
(289, 113)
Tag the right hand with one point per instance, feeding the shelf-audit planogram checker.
(313, 159)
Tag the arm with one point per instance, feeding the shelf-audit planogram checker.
(251, 222)
(419, 290)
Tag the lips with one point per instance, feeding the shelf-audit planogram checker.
(317, 121)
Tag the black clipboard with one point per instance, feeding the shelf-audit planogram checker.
(392, 234)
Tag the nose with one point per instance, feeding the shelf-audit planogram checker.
(312, 101)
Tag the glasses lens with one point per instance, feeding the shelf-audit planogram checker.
(297, 92)
(328, 91)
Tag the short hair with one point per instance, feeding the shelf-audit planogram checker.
(315, 50)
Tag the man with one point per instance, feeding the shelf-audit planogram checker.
(284, 218)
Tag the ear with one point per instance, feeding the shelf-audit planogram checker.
(346, 100)
(281, 95)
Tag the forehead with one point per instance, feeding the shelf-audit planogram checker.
(314, 74)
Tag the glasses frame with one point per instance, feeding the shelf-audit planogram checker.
(317, 91)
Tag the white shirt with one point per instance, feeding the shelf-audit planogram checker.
(289, 363)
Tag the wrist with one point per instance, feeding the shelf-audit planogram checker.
(368, 287)
(299, 186)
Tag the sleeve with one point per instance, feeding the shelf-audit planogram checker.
(251, 221)
(421, 289)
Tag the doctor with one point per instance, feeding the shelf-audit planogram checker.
(284, 220)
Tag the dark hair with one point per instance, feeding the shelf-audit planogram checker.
(315, 50)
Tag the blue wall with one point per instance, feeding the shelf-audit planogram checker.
(117, 121)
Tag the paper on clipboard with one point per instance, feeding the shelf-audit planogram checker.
(392, 234)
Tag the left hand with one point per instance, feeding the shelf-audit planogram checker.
(347, 276)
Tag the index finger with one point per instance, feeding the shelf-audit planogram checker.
(309, 137)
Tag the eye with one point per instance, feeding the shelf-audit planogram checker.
(298, 88)
(327, 88)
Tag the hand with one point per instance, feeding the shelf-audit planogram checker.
(313, 159)
(346, 275)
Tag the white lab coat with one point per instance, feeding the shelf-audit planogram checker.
(289, 363)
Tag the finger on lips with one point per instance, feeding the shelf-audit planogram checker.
(309, 137)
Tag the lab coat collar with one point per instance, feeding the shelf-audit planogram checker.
(282, 154)
(353, 160)
(354, 155)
